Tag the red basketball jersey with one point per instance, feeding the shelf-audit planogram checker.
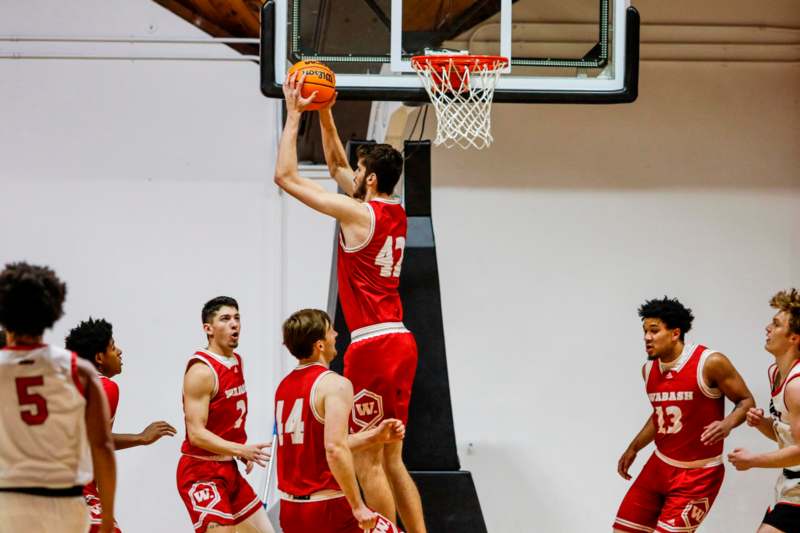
(227, 411)
(302, 465)
(112, 395)
(683, 405)
(369, 272)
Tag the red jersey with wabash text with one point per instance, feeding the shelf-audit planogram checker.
(227, 410)
(369, 272)
(683, 405)
(302, 465)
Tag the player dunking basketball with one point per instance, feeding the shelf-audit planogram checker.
(54, 415)
(687, 385)
(783, 342)
(93, 340)
(216, 495)
(382, 358)
(316, 477)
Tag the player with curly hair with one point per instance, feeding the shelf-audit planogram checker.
(783, 427)
(93, 340)
(687, 385)
(55, 417)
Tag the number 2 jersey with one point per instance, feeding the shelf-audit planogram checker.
(369, 272)
(302, 465)
(683, 405)
(43, 442)
(227, 410)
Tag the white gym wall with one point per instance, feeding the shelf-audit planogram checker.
(147, 186)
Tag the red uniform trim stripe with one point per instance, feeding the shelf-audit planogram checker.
(75, 378)
(785, 381)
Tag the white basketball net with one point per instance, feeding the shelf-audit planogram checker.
(461, 90)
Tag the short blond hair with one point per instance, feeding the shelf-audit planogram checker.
(789, 301)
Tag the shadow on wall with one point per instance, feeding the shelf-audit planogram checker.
(703, 125)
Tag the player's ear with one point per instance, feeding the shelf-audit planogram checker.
(207, 328)
(99, 357)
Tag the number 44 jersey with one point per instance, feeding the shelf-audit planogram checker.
(302, 464)
(683, 405)
(369, 272)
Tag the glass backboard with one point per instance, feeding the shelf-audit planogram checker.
(569, 51)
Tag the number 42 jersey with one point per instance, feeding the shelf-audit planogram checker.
(369, 272)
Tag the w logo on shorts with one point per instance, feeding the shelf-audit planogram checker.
(694, 512)
(384, 525)
(204, 496)
(367, 409)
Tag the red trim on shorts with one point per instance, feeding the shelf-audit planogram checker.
(75, 378)
(783, 383)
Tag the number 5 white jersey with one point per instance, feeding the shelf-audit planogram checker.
(43, 442)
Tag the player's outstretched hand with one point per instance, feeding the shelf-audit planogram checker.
(156, 430)
(625, 463)
(756, 418)
(714, 432)
(391, 430)
(293, 94)
(331, 102)
(741, 459)
(256, 453)
(366, 517)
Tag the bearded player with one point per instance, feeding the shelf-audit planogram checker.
(381, 360)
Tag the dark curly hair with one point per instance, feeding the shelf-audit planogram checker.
(385, 162)
(89, 338)
(670, 311)
(31, 298)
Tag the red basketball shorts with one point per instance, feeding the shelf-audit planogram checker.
(214, 492)
(669, 499)
(326, 516)
(382, 370)
(92, 498)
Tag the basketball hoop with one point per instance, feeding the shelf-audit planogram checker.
(461, 88)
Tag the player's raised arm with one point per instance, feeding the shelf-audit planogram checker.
(720, 373)
(335, 155)
(98, 430)
(287, 176)
(198, 385)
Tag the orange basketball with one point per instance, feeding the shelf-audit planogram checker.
(318, 78)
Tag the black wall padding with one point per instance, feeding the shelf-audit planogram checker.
(450, 502)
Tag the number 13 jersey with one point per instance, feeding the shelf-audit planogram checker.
(369, 272)
(683, 405)
(227, 410)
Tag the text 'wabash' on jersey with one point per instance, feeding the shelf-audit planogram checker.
(43, 441)
(369, 272)
(302, 465)
(683, 405)
(227, 410)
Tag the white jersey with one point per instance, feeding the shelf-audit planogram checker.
(43, 442)
(786, 490)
